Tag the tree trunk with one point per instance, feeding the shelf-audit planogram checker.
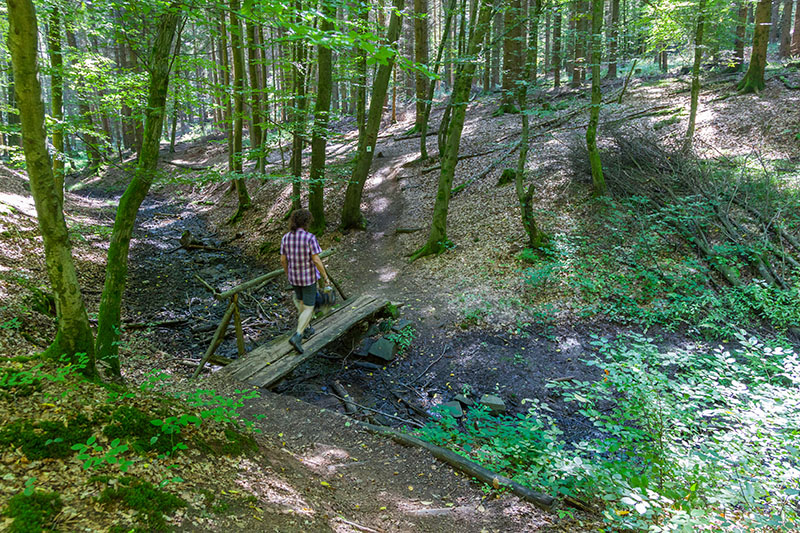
(698, 59)
(532, 63)
(298, 114)
(774, 27)
(238, 111)
(226, 89)
(421, 57)
(437, 239)
(613, 40)
(74, 336)
(351, 211)
(512, 48)
(361, 76)
(423, 139)
(796, 32)
(753, 80)
(741, 27)
(319, 137)
(557, 48)
(109, 324)
(786, 30)
(599, 184)
(256, 86)
(57, 99)
(93, 153)
(497, 33)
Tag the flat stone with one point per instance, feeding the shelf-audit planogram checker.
(463, 400)
(373, 330)
(363, 348)
(494, 403)
(400, 324)
(383, 349)
(454, 408)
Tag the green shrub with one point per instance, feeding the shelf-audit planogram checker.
(135, 427)
(33, 512)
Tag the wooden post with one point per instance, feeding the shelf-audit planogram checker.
(237, 321)
(219, 335)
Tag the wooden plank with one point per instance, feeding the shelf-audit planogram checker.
(267, 364)
(279, 348)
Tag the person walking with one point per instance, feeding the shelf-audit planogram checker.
(300, 260)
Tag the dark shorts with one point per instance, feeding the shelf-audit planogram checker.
(306, 293)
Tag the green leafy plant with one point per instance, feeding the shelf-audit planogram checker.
(403, 338)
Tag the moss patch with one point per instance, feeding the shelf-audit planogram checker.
(236, 443)
(150, 503)
(31, 513)
(46, 438)
(135, 427)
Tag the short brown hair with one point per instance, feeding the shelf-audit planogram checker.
(300, 218)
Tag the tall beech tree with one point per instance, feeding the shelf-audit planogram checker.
(437, 238)
(237, 157)
(158, 66)
(698, 59)
(57, 97)
(74, 336)
(753, 80)
(598, 182)
(319, 136)
(352, 218)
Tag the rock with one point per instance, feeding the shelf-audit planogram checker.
(454, 408)
(383, 349)
(400, 325)
(363, 348)
(494, 403)
(466, 402)
(373, 330)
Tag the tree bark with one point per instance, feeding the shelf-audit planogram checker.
(319, 137)
(599, 184)
(108, 330)
(753, 80)
(785, 49)
(57, 99)
(238, 111)
(74, 336)
(698, 58)
(421, 57)
(437, 239)
(774, 27)
(557, 48)
(93, 153)
(226, 88)
(613, 40)
(512, 49)
(741, 27)
(256, 86)
(298, 113)
(796, 33)
(351, 211)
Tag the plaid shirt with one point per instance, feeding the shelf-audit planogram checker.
(298, 246)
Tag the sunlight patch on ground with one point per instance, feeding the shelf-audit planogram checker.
(11, 202)
(270, 489)
(387, 274)
(326, 460)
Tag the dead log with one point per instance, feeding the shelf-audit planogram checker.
(408, 230)
(493, 165)
(186, 165)
(543, 501)
(349, 406)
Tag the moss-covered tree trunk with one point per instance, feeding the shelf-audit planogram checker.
(437, 238)
(298, 113)
(238, 110)
(753, 80)
(351, 211)
(513, 19)
(109, 323)
(319, 138)
(421, 57)
(741, 28)
(557, 48)
(57, 98)
(74, 335)
(255, 96)
(698, 58)
(599, 183)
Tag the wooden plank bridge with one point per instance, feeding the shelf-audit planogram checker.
(269, 363)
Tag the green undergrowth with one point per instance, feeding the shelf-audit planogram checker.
(117, 433)
(692, 439)
(641, 271)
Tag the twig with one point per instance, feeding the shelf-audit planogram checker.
(411, 422)
(447, 347)
(359, 526)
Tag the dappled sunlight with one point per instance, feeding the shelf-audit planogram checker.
(271, 490)
(325, 460)
(11, 202)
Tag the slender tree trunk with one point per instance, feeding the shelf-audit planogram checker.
(423, 142)
(557, 48)
(93, 153)
(613, 40)
(698, 59)
(12, 115)
(437, 239)
(74, 336)
(786, 29)
(497, 33)
(796, 32)
(774, 27)
(226, 89)
(753, 80)
(599, 184)
(532, 62)
(351, 211)
(548, 50)
(255, 95)
(215, 78)
(361, 78)
(109, 324)
(512, 48)
(238, 112)
(421, 57)
(741, 27)
(57, 99)
(320, 136)
(298, 115)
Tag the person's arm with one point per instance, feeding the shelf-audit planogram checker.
(285, 264)
(318, 263)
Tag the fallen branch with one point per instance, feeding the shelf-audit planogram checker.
(187, 166)
(349, 406)
(370, 409)
(468, 156)
(466, 466)
(486, 171)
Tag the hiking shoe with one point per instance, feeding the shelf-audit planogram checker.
(295, 341)
(308, 332)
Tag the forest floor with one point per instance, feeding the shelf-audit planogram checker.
(478, 327)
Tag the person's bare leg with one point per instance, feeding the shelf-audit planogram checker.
(306, 314)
